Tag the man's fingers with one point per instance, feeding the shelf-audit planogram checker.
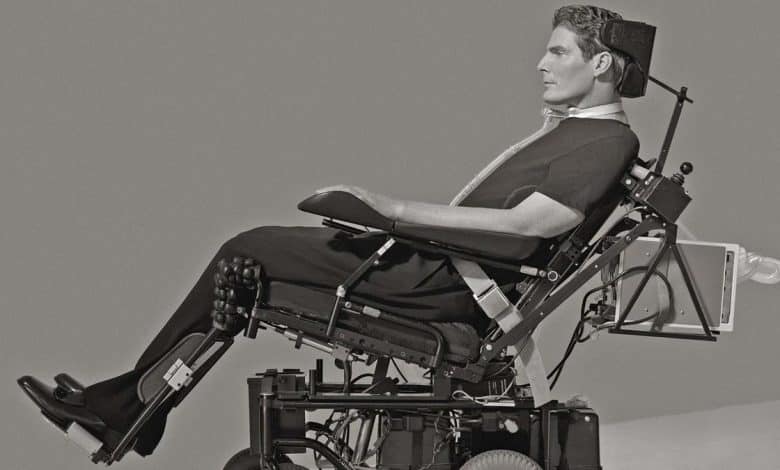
(338, 187)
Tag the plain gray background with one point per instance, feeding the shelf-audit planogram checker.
(139, 136)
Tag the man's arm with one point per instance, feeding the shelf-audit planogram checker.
(536, 216)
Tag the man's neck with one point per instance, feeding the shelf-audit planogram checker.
(598, 96)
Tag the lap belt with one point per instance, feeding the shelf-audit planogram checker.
(497, 306)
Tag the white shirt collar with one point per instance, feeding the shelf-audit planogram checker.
(605, 111)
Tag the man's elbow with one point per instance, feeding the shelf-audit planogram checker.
(544, 226)
(556, 226)
(542, 216)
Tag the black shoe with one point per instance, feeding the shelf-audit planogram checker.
(60, 412)
(63, 407)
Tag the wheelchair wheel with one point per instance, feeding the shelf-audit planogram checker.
(242, 460)
(500, 459)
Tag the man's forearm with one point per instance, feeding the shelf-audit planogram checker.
(535, 216)
(476, 218)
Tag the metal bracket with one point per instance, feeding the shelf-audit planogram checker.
(179, 375)
(341, 353)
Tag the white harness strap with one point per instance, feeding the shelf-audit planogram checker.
(498, 307)
(486, 292)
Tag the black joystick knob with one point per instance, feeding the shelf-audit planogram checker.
(686, 168)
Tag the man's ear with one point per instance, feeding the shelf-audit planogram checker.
(601, 63)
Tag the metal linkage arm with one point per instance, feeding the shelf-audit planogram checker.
(539, 305)
(343, 289)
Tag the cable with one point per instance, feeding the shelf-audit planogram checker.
(577, 337)
(360, 377)
(485, 399)
(398, 369)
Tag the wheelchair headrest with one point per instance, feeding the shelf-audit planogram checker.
(635, 39)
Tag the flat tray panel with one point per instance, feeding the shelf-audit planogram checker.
(711, 266)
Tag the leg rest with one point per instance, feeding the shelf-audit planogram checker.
(154, 379)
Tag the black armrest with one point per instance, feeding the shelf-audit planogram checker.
(345, 206)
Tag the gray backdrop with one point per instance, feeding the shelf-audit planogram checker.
(138, 136)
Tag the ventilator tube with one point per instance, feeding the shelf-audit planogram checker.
(753, 266)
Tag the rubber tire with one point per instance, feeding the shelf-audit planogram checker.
(242, 460)
(501, 459)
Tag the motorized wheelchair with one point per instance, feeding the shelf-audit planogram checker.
(471, 413)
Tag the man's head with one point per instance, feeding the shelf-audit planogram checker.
(577, 68)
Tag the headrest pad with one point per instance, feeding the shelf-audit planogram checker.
(634, 39)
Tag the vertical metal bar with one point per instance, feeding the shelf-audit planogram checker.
(363, 439)
(380, 371)
(255, 417)
(681, 97)
(266, 446)
(692, 290)
(650, 270)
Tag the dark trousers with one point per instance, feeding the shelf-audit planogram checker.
(410, 283)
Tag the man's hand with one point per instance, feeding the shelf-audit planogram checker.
(388, 207)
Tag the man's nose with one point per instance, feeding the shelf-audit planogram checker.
(542, 65)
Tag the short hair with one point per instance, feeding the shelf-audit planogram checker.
(586, 21)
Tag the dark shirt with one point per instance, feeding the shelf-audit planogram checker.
(578, 164)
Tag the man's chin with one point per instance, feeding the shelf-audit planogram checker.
(554, 101)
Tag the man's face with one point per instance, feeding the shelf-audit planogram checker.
(568, 78)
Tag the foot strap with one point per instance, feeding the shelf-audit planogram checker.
(83, 438)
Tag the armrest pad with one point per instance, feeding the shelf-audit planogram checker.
(345, 206)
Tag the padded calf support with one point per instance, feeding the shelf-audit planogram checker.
(237, 286)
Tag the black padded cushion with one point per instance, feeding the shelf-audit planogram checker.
(345, 206)
(634, 39)
(462, 341)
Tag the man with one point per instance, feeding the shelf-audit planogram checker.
(540, 188)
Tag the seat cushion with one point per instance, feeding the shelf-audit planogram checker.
(461, 339)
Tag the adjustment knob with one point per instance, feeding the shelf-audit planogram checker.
(686, 168)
